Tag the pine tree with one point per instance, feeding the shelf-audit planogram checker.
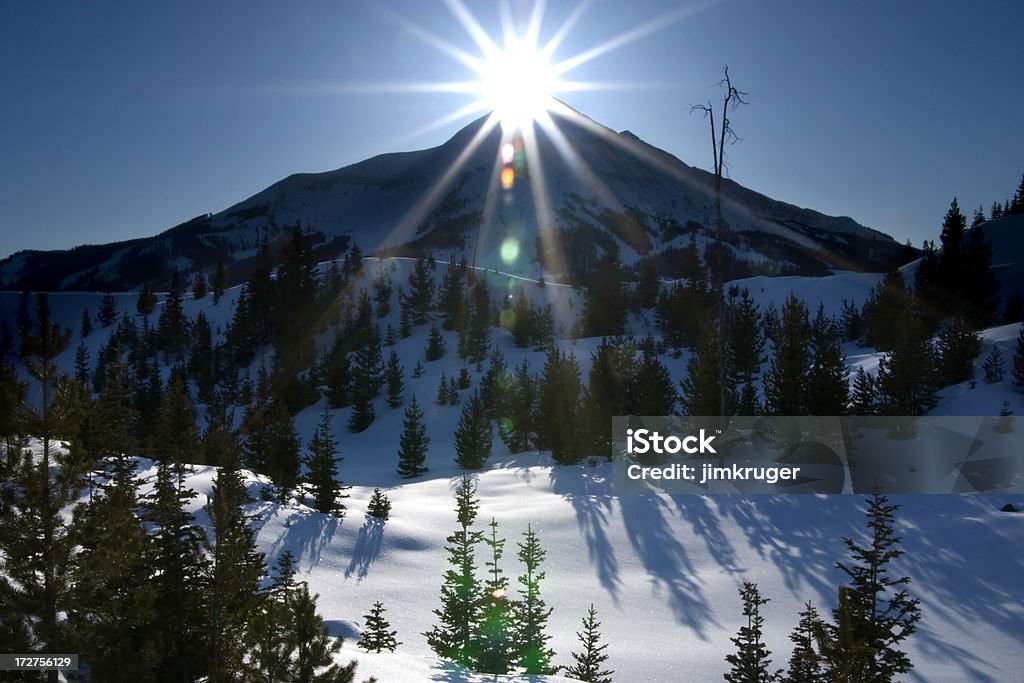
(954, 225)
(882, 614)
(494, 386)
(176, 566)
(452, 638)
(588, 663)
(421, 292)
(114, 594)
(994, 366)
(451, 392)
(907, 375)
(82, 365)
(219, 283)
(864, 398)
(844, 655)
(701, 388)
(417, 370)
(376, 637)
(531, 613)
(435, 345)
(752, 658)
(394, 381)
(744, 349)
(464, 381)
(452, 298)
(172, 326)
(828, 384)
(805, 663)
(604, 305)
(108, 310)
(413, 443)
(494, 647)
(379, 506)
(38, 544)
(338, 375)
(199, 286)
(176, 438)
(367, 376)
(958, 346)
(147, 299)
(322, 469)
(559, 426)
(518, 425)
(786, 382)
(1004, 424)
(232, 574)
(474, 435)
(442, 391)
(86, 327)
(272, 446)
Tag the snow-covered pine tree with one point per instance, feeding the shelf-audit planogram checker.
(413, 443)
(376, 636)
(994, 367)
(494, 646)
(882, 614)
(531, 613)
(588, 663)
(452, 638)
(474, 435)
(752, 658)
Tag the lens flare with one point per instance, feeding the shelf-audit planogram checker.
(508, 177)
(510, 250)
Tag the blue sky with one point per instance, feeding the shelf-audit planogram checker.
(122, 119)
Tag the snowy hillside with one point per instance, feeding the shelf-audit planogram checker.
(662, 571)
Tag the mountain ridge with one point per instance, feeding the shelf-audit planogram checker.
(580, 184)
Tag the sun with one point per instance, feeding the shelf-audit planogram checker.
(518, 83)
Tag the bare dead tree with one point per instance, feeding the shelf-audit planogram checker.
(733, 97)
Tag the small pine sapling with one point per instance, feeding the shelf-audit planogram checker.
(376, 637)
(379, 506)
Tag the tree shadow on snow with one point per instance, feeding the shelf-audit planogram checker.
(647, 524)
(367, 548)
(590, 494)
(306, 534)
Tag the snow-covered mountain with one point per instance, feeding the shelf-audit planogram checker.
(600, 188)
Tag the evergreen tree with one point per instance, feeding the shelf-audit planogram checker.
(379, 506)
(474, 435)
(451, 392)
(958, 346)
(114, 595)
(752, 658)
(452, 302)
(38, 545)
(864, 398)
(86, 327)
(82, 365)
(413, 443)
(494, 386)
(108, 310)
(495, 650)
(844, 655)
(147, 299)
(176, 566)
(517, 427)
(588, 663)
(994, 366)
(604, 305)
(322, 469)
(612, 371)
(651, 391)
(744, 348)
(827, 391)
(367, 376)
(393, 379)
(219, 283)
(421, 292)
(888, 302)
(701, 388)
(531, 613)
(176, 438)
(882, 614)
(376, 636)
(476, 339)
(232, 574)
(199, 286)
(452, 638)
(172, 330)
(906, 377)
(954, 225)
(786, 382)
(980, 285)
(1004, 424)
(417, 370)
(464, 381)
(559, 425)
(442, 391)
(338, 375)
(273, 446)
(382, 292)
(805, 663)
(1018, 361)
(435, 344)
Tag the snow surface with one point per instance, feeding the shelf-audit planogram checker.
(662, 570)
